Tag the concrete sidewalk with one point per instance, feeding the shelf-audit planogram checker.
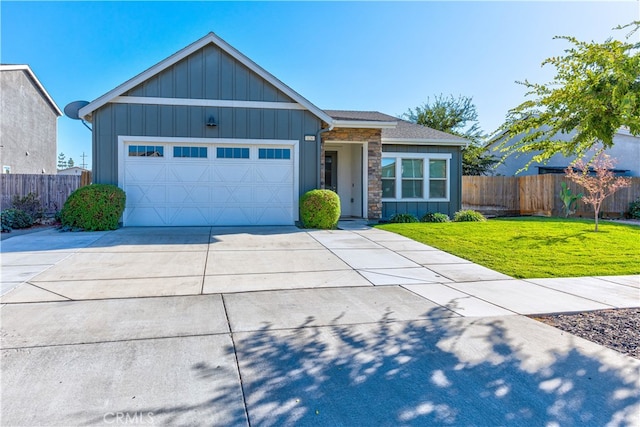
(281, 326)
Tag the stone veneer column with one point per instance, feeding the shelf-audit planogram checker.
(374, 184)
(372, 138)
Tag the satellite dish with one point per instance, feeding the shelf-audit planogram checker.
(72, 109)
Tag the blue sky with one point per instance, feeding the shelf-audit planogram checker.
(384, 56)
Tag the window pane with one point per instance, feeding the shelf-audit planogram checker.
(177, 152)
(133, 150)
(245, 153)
(389, 188)
(286, 154)
(160, 151)
(262, 153)
(412, 168)
(388, 168)
(437, 189)
(203, 152)
(437, 168)
(412, 189)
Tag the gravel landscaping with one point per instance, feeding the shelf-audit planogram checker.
(617, 329)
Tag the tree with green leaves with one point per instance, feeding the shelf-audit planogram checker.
(595, 92)
(457, 116)
(70, 163)
(62, 161)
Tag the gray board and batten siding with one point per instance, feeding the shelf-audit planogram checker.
(208, 73)
(419, 208)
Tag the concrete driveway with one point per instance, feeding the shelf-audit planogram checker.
(281, 326)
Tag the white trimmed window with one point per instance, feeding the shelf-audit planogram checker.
(415, 176)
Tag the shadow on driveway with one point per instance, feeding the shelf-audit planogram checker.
(437, 372)
(472, 372)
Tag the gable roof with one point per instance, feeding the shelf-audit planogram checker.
(87, 110)
(403, 132)
(361, 119)
(39, 86)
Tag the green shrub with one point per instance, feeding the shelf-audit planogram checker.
(29, 204)
(435, 217)
(93, 207)
(468, 216)
(403, 218)
(15, 219)
(634, 209)
(320, 209)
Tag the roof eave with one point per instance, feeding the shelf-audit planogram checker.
(183, 53)
(425, 141)
(363, 124)
(36, 81)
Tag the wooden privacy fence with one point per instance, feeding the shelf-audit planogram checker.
(53, 190)
(536, 195)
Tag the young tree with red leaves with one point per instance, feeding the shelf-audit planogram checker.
(598, 185)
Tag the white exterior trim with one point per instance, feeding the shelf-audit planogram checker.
(192, 102)
(425, 179)
(36, 81)
(405, 141)
(86, 111)
(295, 145)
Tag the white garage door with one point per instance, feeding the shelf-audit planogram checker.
(208, 184)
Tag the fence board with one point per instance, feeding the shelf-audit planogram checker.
(536, 195)
(53, 190)
(495, 195)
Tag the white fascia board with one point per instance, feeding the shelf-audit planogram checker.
(406, 141)
(36, 81)
(181, 54)
(364, 124)
(198, 102)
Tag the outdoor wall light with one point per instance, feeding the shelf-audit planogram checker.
(211, 122)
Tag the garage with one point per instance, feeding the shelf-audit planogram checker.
(197, 182)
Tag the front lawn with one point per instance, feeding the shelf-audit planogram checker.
(532, 247)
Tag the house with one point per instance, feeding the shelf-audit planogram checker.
(625, 151)
(208, 137)
(28, 123)
(74, 170)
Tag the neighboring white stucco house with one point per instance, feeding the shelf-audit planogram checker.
(626, 152)
(28, 123)
(75, 170)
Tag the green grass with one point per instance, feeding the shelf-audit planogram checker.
(532, 247)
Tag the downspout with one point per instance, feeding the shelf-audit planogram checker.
(319, 151)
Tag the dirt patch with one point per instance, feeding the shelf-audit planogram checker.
(618, 329)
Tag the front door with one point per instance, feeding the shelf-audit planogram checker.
(343, 174)
(331, 170)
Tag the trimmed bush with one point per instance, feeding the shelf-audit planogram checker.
(93, 207)
(435, 217)
(29, 204)
(468, 216)
(15, 219)
(634, 209)
(403, 218)
(320, 209)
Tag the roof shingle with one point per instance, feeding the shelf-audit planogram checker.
(403, 131)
